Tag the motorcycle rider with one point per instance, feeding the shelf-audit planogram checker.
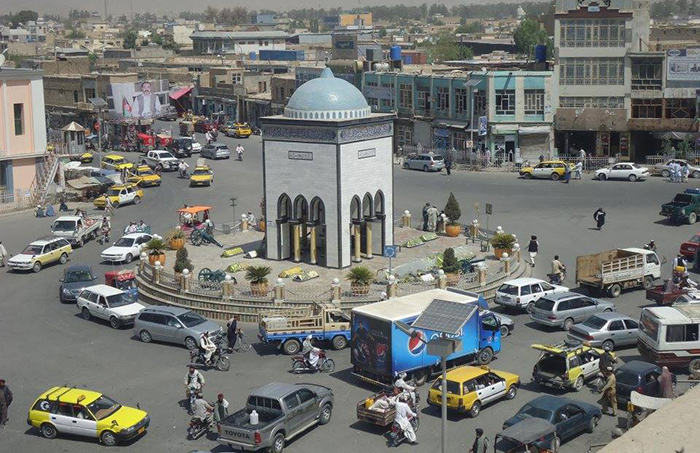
(650, 246)
(403, 419)
(182, 167)
(307, 346)
(239, 151)
(208, 347)
(558, 270)
(203, 411)
(194, 383)
(405, 388)
(105, 228)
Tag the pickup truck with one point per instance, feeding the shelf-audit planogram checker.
(618, 269)
(685, 207)
(161, 158)
(76, 229)
(289, 328)
(284, 411)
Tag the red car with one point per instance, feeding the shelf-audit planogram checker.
(689, 247)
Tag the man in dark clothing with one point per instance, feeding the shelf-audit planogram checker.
(448, 165)
(599, 217)
(479, 445)
(232, 333)
(5, 401)
(607, 362)
(425, 216)
(533, 247)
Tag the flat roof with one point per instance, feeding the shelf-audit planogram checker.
(676, 315)
(411, 305)
(239, 34)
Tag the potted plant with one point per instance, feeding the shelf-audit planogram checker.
(360, 277)
(453, 213)
(450, 266)
(156, 251)
(257, 276)
(502, 243)
(182, 261)
(176, 239)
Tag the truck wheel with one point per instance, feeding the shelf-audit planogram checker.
(114, 322)
(277, 443)
(80, 242)
(504, 331)
(475, 410)
(648, 282)
(339, 342)
(615, 290)
(326, 414)
(485, 356)
(291, 347)
(694, 367)
(692, 218)
(420, 377)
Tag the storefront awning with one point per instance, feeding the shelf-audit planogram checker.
(533, 130)
(453, 125)
(675, 135)
(180, 93)
(505, 129)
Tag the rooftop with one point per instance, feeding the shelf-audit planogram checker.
(239, 34)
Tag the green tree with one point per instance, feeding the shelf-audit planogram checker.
(452, 210)
(449, 262)
(211, 13)
(75, 34)
(130, 37)
(444, 48)
(24, 16)
(474, 27)
(528, 34)
(382, 32)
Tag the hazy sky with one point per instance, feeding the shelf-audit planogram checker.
(170, 6)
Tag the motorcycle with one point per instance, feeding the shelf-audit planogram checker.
(396, 434)
(300, 364)
(555, 279)
(240, 156)
(199, 427)
(218, 358)
(194, 391)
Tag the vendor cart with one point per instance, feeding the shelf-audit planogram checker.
(193, 217)
(659, 295)
(532, 435)
(378, 416)
(124, 280)
(186, 128)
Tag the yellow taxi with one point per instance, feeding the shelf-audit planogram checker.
(116, 162)
(548, 169)
(86, 158)
(120, 195)
(566, 365)
(471, 387)
(143, 176)
(86, 413)
(40, 253)
(201, 176)
(239, 130)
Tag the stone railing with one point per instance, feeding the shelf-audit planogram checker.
(223, 300)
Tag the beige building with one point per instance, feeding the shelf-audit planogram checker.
(346, 20)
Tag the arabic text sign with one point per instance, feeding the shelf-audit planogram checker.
(683, 64)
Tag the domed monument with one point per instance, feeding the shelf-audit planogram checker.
(327, 176)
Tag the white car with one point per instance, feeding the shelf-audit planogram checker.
(110, 304)
(161, 158)
(524, 292)
(623, 170)
(126, 249)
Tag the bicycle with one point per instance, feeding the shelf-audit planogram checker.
(242, 345)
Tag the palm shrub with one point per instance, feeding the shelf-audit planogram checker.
(257, 275)
(359, 276)
(503, 241)
(155, 246)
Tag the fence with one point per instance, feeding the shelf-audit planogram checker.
(661, 158)
(16, 201)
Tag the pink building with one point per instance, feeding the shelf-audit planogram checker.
(22, 130)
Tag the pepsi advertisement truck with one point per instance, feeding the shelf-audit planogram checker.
(380, 350)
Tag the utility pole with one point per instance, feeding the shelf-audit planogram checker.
(105, 10)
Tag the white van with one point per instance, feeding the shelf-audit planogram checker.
(523, 292)
(669, 336)
(110, 304)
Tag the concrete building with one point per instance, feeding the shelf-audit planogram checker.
(327, 176)
(346, 20)
(180, 33)
(22, 131)
(243, 42)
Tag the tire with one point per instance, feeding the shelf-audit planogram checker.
(632, 178)
(291, 347)
(568, 322)
(339, 342)
(602, 176)
(425, 168)
(80, 242)
(665, 173)
(406, 166)
(556, 443)
(298, 367)
(137, 200)
(648, 282)
(223, 364)
(326, 414)
(555, 176)
(48, 431)
(504, 331)
(696, 174)
(475, 409)
(527, 175)
(529, 307)
(420, 377)
(108, 439)
(86, 314)
(593, 423)
(63, 259)
(615, 290)
(129, 258)
(485, 356)
(36, 267)
(329, 366)
(243, 345)
(512, 391)
(578, 385)
(116, 205)
(694, 366)
(114, 322)
(190, 343)
(145, 336)
(277, 443)
(692, 218)
(608, 345)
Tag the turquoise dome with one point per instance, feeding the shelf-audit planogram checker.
(327, 98)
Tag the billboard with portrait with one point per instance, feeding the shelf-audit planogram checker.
(683, 64)
(138, 100)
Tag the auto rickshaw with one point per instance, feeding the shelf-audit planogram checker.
(193, 217)
(124, 280)
(640, 406)
(532, 435)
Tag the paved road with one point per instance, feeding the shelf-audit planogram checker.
(45, 343)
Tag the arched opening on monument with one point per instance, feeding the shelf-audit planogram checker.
(299, 227)
(379, 224)
(284, 230)
(317, 232)
(356, 229)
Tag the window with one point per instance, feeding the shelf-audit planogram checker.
(646, 74)
(505, 102)
(536, 288)
(534, 102)
(675, 108)
(566, 305)
(443, 98)
(459, 140)
(647, 108)
(682, 333)
(546, 286)
(592, 102)
(388, 103)
(291, 401)
(19, 119)
(591, 71)
(405, 96)
(370, 83)
(616, 325)
(76, 96)
(404, 135)
(423, 97)
(373, 102)
(631, 325)
(480, 103)
(652, 259)
(461, 102)
(305, 395)
(592, 33)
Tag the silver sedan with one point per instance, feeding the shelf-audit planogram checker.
(664, 170)
(606, 330)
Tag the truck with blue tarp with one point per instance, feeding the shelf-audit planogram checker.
(380, 350)
(288, 328)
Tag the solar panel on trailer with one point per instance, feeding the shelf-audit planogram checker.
(445, 316)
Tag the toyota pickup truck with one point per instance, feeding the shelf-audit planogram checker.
(283, 410)
(164, 159)
(685, 207)
(76, 229)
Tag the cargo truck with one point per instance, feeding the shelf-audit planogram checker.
(614, 270)
(381, 350)
(76, 229)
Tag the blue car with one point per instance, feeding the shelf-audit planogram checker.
(570, 417)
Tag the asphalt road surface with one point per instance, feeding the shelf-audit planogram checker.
(44, 343)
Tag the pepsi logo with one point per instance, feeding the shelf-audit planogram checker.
(416, 343)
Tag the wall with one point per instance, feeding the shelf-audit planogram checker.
(19, 92)
(23, 172)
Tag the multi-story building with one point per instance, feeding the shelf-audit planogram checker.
(241, 42)
(180, 33)
(22, 131)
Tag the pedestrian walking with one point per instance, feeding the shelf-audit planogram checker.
(480, 444)
(582, 154)
(487, 156)
(232, 332)
(448, 165)
(599, 217)
(432, 218)
(685, 171)
(220, 410)
(533, 247)
(567, 173)
(666, 383)
(425, 216)
(3, 254)
(578, 170)
(5, 401)
(609, 399)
